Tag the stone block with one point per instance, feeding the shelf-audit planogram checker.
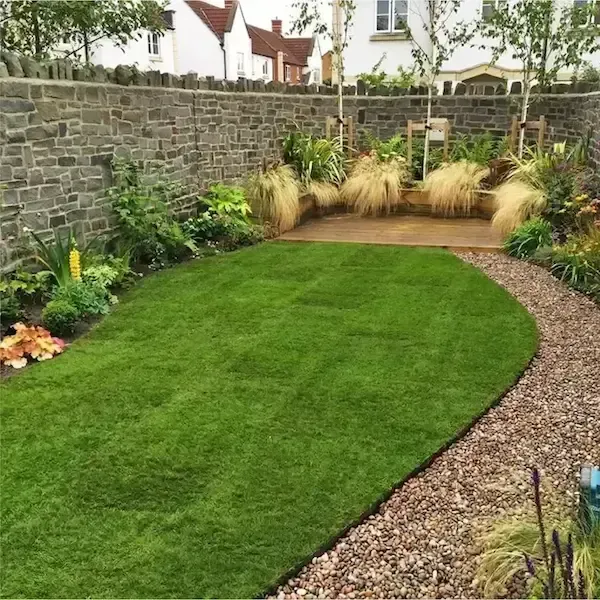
(15, 89)
(13, 64)
(33, 69)
(41, 132)
(3, 70)
(15, 105)
(64, 91)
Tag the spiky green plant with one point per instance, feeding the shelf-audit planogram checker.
(315, 159)
(528, 237)
(55, 256)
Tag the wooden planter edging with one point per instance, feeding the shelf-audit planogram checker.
(417, 202)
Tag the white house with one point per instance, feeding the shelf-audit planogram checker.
(148, 51)
(379, 30)
(214, 40)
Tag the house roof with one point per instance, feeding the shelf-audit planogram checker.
(301, 48)
(268, 43)
(218, 20)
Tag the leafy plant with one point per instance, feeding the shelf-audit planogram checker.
(375, 186)
(478, 149)
(28, 342)
(315, 159)
(142, 210)
(10, 307)
(274, 194)
(525, 240)
(453, 187)
(227, 200)
(226, 232)
(88, 298)
(577, 262)
(378, 77)
(103, 275)
(26, 286)
(60, 317)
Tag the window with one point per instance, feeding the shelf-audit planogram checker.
(594, 5)
(265, 68)
(288, 73)
(392, 15)
(240, 63)
(489, 6)
(153, 44)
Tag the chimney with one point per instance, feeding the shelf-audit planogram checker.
(276, 26)
(228, 4)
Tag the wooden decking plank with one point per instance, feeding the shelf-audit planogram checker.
(404, 230)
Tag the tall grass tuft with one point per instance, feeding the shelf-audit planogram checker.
(516, 202)
(375, 187)
(273, 192)
(453, 187)
(561, 557)
(325, 194)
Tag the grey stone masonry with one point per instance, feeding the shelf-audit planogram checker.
(58, 136)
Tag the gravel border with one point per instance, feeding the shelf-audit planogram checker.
(421, 543)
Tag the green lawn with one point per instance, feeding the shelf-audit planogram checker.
(234, 413)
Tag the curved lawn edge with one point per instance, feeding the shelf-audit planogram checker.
(383, 498)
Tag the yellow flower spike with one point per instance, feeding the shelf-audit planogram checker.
(75, 264)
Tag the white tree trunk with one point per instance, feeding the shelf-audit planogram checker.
(338, 51)
(524, 109)
(427, 129)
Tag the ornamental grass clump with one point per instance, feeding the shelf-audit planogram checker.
(559, 557)
(273, 192)
(516, 201)
(453, 187)
(374, 186)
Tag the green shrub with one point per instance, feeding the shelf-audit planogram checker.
(142, 210)
(225, 231)
(104, 276)
(88, 298)
(577, 262)
(10, 307)
(60, 317)
(227, 201)
(528, 237)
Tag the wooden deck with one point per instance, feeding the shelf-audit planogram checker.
(403, 230)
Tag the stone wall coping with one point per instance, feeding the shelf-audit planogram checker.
(60, 70)
(272, 93)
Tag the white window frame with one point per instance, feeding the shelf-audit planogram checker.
(594, 19)
(154, 44)
(390, 15)
(287, 69)
(241, 57)
(495, 5)
(265, 68)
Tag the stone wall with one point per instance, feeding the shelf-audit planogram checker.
(58, 137)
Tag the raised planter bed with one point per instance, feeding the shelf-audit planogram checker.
(417, 202)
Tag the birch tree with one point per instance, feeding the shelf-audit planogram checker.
(442, 35)
(311, 15)
(545, 36)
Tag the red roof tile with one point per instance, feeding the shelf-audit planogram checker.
(267, 43)
(301, 48)
(214, 17)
